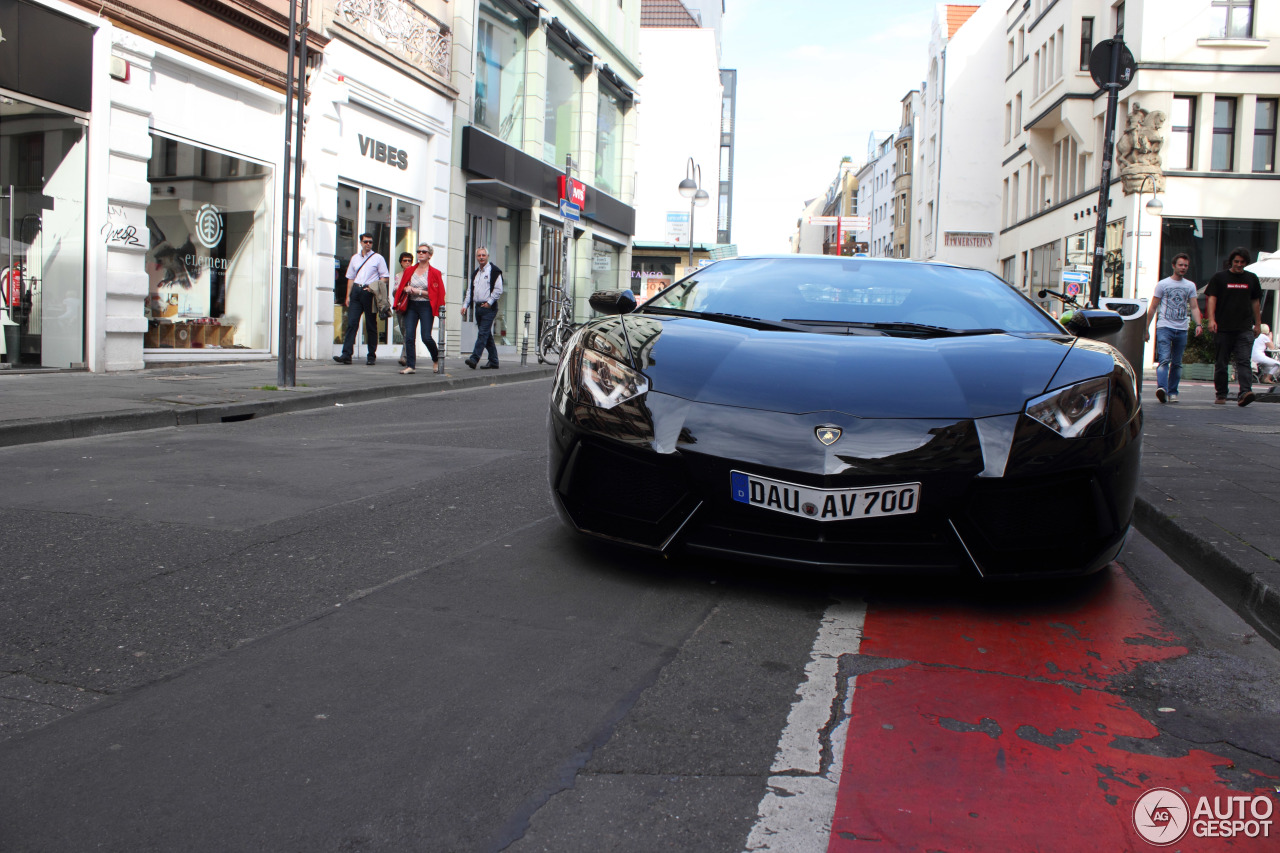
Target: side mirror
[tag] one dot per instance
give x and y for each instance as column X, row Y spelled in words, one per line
column 1093, row 323
column 613, row 301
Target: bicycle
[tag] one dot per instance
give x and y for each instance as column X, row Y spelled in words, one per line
column 558, row 329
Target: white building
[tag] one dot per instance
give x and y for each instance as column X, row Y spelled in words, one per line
column 685, row 130
column 1209, row 68
column 538, row 83
column 882, row 157
column 957, row 178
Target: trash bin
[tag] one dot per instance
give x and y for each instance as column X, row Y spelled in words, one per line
column 1129, row 340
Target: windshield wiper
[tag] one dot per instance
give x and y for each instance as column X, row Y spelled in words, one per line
column 732, row 319
column 921, row 327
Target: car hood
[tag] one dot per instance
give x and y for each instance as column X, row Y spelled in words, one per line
column 864, row 376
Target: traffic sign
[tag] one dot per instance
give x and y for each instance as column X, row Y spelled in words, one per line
column 569, row 210
column 1100, row 63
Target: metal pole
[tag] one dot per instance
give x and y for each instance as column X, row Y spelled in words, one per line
column 524, row 345
column 282, row 356
column 1104, row 188
column 565, row 294
column 691, row 233
column 291, row 316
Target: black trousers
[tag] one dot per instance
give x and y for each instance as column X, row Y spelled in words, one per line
column 362, row 302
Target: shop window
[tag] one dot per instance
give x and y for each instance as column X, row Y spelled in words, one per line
column 650, row 275
column 500, row 65
column 1181, row 148
column 1264, row 135
column 604, row 266
column 42, row 235
column 209, row 262
column 563, row 95
column 609, row 124
column 1208, row 242
column 1224, row 135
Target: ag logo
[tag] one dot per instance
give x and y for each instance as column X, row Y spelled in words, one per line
column 209, row 226
column 828, row 435
column 1161, row 816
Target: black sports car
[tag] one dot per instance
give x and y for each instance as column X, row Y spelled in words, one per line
column 853, row 414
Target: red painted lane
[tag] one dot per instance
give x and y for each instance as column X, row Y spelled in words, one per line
column 1000, row 735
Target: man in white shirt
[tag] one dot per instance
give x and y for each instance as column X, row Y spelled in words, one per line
column 483, row 292
column 366, row 269
column 1172, row 303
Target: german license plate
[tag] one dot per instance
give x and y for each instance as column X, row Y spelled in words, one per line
column 824, row 504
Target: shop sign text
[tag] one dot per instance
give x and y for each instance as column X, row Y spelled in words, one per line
column 382, row 152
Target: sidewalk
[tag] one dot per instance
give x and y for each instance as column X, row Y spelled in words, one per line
column 47, row 406
column 1209, row 496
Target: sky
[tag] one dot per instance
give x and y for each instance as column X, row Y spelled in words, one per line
column 815, row 79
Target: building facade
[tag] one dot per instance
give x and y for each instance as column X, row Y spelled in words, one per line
column 143, row 143
column 904, row 161
column 544, row 90
column 685, row 118
column 1196, row 128
column 956, row 182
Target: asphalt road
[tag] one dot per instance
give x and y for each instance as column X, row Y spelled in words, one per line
column 362, row 628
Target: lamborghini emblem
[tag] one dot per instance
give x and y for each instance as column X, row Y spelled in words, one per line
column 828, row 435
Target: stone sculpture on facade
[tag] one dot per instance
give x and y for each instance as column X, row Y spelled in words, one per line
column 1138, row 150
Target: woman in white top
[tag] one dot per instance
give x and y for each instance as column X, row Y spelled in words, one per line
column 1261, row 356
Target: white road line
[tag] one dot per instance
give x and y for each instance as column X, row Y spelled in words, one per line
column 795, row 815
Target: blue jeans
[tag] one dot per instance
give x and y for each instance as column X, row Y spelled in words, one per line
column 419, row 312
column 484, row 334
column 1170, row 344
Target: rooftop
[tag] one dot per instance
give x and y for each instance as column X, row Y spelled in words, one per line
column 666, row 13
column 957, row 15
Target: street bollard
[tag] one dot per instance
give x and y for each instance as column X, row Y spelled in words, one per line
column 440, row 361
column 524, row 347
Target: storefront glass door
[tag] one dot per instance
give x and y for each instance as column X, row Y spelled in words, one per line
column 42, row 239
column 393, row 223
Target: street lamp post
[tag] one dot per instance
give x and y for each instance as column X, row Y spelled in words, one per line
column 1154, row 207
column 691, row 188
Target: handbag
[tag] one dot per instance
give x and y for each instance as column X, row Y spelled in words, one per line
column 401, row 301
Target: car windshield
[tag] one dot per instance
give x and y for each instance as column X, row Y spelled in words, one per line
column 846, row 294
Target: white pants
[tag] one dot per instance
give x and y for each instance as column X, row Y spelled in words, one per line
column 1268, row 365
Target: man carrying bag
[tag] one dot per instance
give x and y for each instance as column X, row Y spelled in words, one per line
column 366, row 272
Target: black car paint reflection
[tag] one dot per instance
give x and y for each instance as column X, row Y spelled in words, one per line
column 654, row 471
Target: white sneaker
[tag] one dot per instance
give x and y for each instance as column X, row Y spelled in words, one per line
column 1173, row 398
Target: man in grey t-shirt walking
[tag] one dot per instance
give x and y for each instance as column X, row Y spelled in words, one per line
column 1173, row 301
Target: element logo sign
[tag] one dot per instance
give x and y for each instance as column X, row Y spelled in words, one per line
column 828, row 435
column 209, row 226
column 1161, row 816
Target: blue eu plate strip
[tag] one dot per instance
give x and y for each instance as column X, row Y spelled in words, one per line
column 741, row 491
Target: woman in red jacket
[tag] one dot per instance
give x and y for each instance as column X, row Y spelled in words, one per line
column 425, row 289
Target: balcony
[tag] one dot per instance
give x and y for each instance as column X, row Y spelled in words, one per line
column 402, row 28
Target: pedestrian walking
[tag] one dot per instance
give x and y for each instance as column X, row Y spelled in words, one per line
column 1235, row 316
column 483, row 292
column 367, row 269
column 399, row 302
column 426, row 299
column 1173, row 302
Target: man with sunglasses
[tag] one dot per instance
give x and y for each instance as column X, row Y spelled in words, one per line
column 367, row 268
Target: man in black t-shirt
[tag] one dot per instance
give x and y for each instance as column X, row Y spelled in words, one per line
column 1235, row 316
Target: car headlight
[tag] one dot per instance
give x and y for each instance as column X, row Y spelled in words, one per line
column 1072, row 411
column 605, row 382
